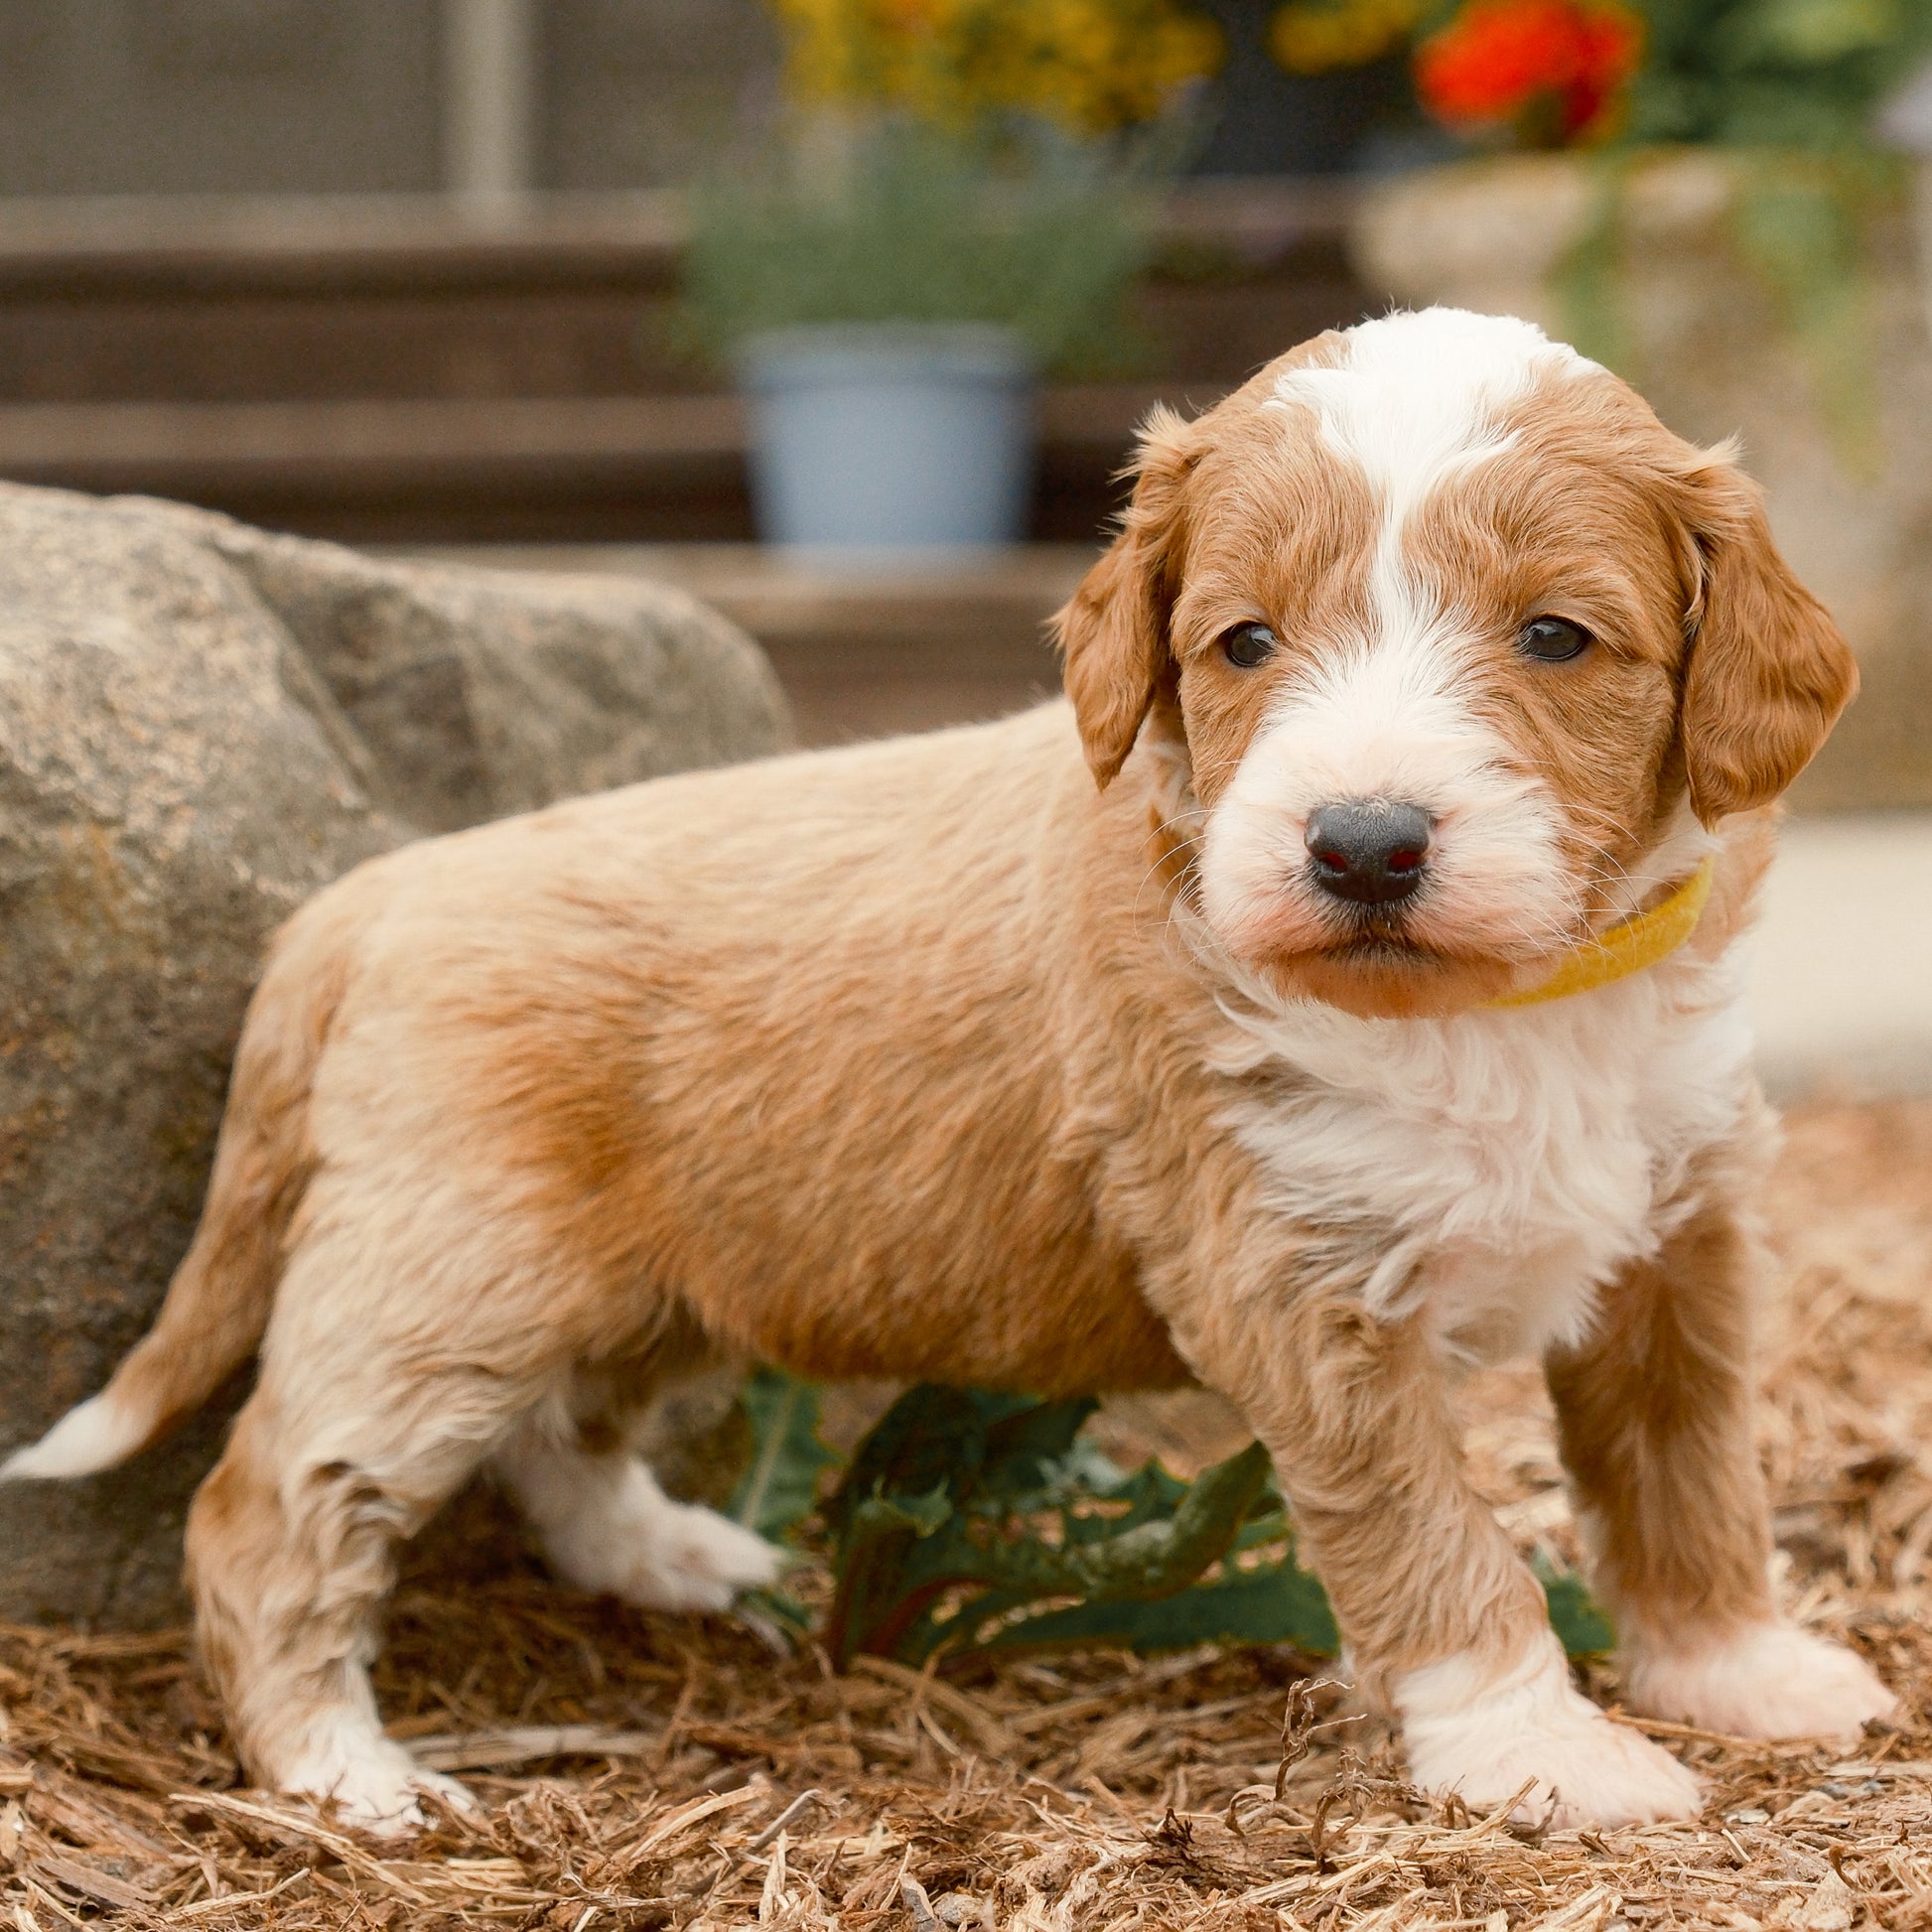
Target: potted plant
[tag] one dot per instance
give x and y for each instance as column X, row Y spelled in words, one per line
column 1693, row 191
column 887, row 308
column 964, row 207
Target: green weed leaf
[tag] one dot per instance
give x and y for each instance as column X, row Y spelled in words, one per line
column 973, row 1520
column 1581, row 1626
column 779, row 1486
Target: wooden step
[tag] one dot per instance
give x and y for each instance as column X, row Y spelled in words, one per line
column 376, row 369
column 428, row 467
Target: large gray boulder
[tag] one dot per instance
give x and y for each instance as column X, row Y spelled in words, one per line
column 199, row 724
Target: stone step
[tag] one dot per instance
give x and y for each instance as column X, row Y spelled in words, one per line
column 291, row 297
column 866, row 644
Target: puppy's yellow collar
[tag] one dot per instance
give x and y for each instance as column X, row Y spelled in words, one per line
column 1629, row 947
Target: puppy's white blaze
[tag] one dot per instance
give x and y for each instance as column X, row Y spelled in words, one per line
column 93, row 1435
column 1772, row 1680
column 1484, row 1735
column 1416, row 396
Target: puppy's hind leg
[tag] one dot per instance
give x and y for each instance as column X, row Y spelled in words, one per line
column 341, row 1450
column 606, row 1525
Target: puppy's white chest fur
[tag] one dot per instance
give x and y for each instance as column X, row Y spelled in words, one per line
column 1493, row 1169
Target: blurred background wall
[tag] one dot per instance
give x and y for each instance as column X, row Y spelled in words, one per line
column 346, row 96
column 123, row 97
column 355, row 96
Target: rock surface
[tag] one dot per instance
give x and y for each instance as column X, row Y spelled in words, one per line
column 199, row 724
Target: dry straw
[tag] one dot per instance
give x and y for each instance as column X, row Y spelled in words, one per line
column 653, row 1771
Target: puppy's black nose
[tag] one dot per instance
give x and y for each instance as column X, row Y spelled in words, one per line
column 1368, row 849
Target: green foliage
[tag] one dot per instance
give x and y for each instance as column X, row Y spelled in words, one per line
column 1799, row 221
column 897, row 223
column 1583, row 1628
column 779, row 1486
column 1792, row 74
column 1589, row 280
column 969, row 1520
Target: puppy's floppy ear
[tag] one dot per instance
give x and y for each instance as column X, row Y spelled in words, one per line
column 1768, row 671
column 1113, row 634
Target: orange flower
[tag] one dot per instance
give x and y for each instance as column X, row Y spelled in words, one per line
column 1503, row 61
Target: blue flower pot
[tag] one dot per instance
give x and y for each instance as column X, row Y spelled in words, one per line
column 894, row 436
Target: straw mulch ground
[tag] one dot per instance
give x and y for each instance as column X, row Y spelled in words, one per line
column 646, row 1771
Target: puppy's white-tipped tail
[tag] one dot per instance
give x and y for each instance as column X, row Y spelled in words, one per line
column 218, row 1303
column 93, row 1435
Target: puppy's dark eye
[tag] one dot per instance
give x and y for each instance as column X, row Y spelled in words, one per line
column 1249, row 645
column 1552, row 641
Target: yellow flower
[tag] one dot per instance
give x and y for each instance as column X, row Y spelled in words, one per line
column 1316, row 36
column 1092, row 65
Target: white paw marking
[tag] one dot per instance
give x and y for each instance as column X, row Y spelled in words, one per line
column 697, row 1560
column 606, row 1525
column 373, row 1782
column 1772, row 1680
column 1484, row 1735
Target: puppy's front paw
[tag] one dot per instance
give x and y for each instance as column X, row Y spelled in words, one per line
column 1484, row 1735
column 1771, row 1680
column 372, row 1782
column 697, row 1560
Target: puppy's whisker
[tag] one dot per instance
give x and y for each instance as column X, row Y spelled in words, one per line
column 1162, row 864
